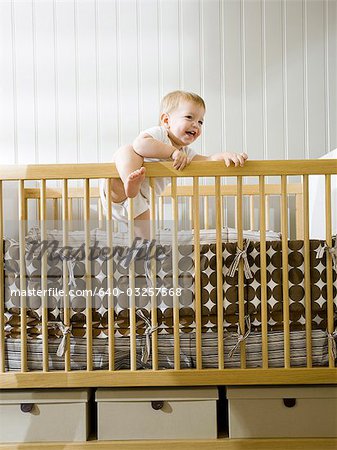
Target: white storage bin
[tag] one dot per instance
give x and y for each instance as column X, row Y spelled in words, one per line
column 43, row 415
column 266, row 412
column 157, row 413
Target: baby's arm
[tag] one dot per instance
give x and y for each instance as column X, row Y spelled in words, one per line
column 148, row 147
column 228, row 157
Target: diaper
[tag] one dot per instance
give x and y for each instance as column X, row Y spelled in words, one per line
column 120, row 210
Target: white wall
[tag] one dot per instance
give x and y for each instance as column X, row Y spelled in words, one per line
column 79, row 78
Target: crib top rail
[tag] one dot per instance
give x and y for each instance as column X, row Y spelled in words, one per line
column 165, row 169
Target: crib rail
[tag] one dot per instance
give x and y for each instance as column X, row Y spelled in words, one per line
column 195, row 192
column 164, row 169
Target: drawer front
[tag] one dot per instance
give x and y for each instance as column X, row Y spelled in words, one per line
column 303, row 417
column 45, row 422
column 145, row 420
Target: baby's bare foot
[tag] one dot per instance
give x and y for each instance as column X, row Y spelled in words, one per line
column 133, row 182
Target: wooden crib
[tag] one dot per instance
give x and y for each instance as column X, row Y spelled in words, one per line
column 204, row 205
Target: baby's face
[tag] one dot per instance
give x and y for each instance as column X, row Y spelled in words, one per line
column 184, row 124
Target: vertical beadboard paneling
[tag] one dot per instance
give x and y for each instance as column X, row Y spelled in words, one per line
column 274, row 80
column 331, row 65
column 45, row 82
column 233, row 74
column 190, row 46
column 316, row 79
column 7, row 88
column 79, row 78
column 169, row 31
column 222, row 93
column 87, row 81
column 149, row 64
column 295, row 86
column 129, row 104
column 24, row 67
column 108, row 79
column 191, row 57
column 66, row 81
column 253, row 79
column 211, row 39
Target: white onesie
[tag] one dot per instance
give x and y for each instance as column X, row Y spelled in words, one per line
column 142, row 200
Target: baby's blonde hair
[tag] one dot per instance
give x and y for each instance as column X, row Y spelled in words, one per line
column 171, row 101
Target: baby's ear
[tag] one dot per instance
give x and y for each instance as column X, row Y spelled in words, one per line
column 164, row 119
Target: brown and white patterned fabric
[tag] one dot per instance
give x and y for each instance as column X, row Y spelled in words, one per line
column 186, row 281
column 100, row 352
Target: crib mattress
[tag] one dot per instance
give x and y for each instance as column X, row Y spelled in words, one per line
column 186, row 281
column 100, row 350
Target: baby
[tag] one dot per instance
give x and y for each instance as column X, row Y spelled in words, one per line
column 181, row 119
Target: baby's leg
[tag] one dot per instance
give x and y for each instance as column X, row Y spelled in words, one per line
column 142, row 225
column 129, row 166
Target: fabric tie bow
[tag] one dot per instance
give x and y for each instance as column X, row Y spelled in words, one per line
column 331, row 250
column 65, row 331
column 241, row 337
column 146, row 350
column 240, row 253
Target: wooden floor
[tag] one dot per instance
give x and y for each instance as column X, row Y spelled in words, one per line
column 218, row 444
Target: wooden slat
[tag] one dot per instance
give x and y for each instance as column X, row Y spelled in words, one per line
column 88, row 273
column 263, row 272
column 219, row 276
column 161, row 212
column 299, row 216
column 100, row 213
column 26, row 212
column 329, row 281
column 231, row 190
column 251, row 212
column 66, row 305
column 307, row 282
column 70, row 214
column 56, row 193
column 23, row 281
column 197, row 281
column 38, row 208
column 110, row 286
column 44, row 296
column 241, row 278
column 183, row 191
column 154, row 318
column 223, row 209
column 284, row 231
column 183, row 208
column 206, row 223
column 268, row 212
column 2, row 283
column 55, row 208
column 132, row 297
column 190, row 211
column 175, row 285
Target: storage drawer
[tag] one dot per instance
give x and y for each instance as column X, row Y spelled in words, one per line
column 299, row 411
column 43, row 415
column 157, row 413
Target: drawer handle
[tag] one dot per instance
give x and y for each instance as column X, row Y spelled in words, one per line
column 289, row 402
column 26, row 407
column 157, row 404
